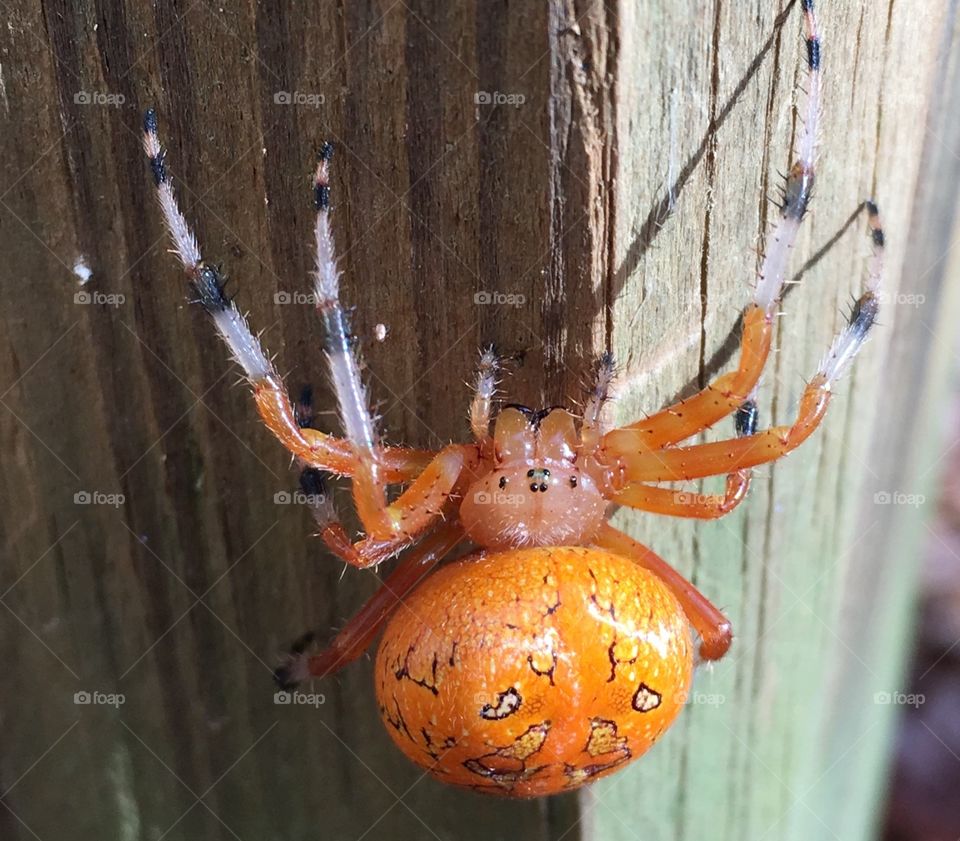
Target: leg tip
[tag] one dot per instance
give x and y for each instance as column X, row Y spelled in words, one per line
column 284, row 679
column 489, row 358
column 304, row 407
column 302, row 643
column 150, row 121
column 295, row 668
column 313, row 482
column 718, row 644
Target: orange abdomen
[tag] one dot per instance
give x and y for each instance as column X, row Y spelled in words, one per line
column 533, row 671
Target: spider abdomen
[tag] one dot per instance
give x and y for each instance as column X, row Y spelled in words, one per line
column 533, row 671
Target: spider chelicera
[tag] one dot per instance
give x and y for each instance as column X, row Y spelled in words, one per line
column 559, row 649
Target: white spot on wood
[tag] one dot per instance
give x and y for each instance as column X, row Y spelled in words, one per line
column 82, row 270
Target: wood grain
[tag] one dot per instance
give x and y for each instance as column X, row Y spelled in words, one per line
column 553, row 202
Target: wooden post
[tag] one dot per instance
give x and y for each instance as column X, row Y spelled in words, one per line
column 555, row 178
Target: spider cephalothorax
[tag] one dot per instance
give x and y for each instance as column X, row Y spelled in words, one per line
column 535, row 491
column 559, row 648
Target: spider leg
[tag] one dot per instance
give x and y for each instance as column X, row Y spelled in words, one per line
column 420, row 504
column 712, row 626
column 481, row 405
column 270, row 395
column 676, row 503
column 342, row 361
column 363, row 554
column 724, row 395
column 590, row 428
column 368, row 552
column 355, row 637
column 716, row 458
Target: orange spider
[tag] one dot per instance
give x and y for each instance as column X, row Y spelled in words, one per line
column 559, row 649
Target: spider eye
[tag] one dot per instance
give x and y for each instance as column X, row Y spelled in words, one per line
column 503, row 482
column 573, row 481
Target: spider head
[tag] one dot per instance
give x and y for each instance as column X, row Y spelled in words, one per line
column 534, row 494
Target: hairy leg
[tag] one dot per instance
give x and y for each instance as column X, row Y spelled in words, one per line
column 591, row 429
column 270, row 395
column 724, row 396
column 362, row 554
column 482, row 403
column 638, row 464
column 355, row 637
column 678, row 503
column 420, row 504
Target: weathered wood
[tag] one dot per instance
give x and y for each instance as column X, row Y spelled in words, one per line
column 180, row 596
column 788, row 742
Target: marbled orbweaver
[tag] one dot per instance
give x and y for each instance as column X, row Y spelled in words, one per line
column 558, row 649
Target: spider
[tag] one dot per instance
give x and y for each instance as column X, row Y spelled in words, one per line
column 558, row 649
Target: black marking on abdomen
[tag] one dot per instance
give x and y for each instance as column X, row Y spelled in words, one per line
column 507, row 766
column 548, row 673
column 645, row 699
column 404, row 673
column 399, row 723
column 612, row 657
column 508, row 702
column 604, row 740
